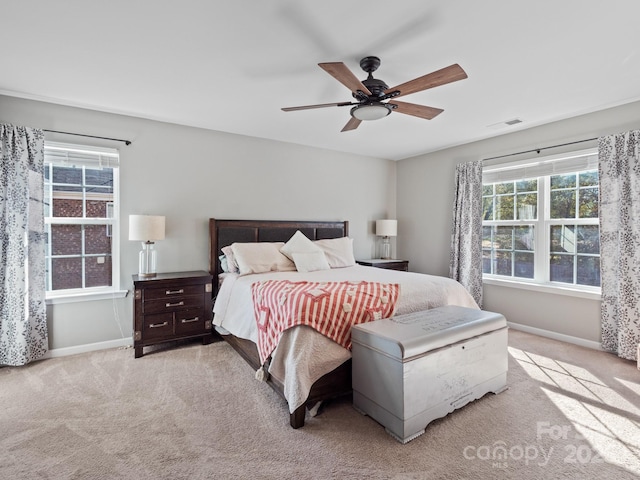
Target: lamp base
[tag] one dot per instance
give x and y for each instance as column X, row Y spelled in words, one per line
column 146, row 275
column 385, row 249
column 147, row 260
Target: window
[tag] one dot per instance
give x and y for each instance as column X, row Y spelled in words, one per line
column 81, row 219
column 540, row 221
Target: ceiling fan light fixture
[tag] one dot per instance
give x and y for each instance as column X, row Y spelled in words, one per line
column 370, row 111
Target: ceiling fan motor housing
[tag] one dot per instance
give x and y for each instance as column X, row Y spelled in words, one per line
column 376, row 87
column 371, row 106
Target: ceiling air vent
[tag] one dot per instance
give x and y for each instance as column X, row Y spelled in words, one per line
column 506, row 123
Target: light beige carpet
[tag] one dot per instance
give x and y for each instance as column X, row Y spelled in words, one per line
column 196, row 412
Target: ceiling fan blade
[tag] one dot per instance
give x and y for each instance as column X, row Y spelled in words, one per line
column 449, row 74
column 416, row 110
column 320, row 105
column 341, row 72
column 352, row 124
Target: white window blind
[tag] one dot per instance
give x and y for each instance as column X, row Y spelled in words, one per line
column 77, row 155
column 554, row 165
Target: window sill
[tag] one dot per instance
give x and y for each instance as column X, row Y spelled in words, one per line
column 537, row 287
column 86, row 296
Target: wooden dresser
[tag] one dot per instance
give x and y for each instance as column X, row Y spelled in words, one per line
column 171, row 306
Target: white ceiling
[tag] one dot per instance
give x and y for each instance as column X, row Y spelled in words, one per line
column 231, row 65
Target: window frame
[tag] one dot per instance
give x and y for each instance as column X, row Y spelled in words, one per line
column 543, row 169
column 61, row 154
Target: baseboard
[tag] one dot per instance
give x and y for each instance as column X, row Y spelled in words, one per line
column 128, row 342
column 90, row 347
column 556, row 336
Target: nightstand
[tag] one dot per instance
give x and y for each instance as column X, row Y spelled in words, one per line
column 171, row 306
column 402, row 265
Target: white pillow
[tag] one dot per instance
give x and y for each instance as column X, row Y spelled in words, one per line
column 261, row 257
column 298, row 243
column 310, row 261
column 339, row 251
column 232, row 265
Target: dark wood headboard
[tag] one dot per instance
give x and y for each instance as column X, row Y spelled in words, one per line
column 225, row 232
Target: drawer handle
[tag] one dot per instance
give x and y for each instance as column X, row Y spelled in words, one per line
column 177, row 304
column 157, row 325
column 174, row 292
column 190, row 320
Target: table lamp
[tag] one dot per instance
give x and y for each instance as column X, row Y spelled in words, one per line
column 146, row 229
column 386, row 229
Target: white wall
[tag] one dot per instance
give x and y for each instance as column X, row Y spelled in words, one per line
column 424, row 203
column 190, row 174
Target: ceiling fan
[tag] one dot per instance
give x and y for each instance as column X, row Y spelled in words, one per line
column 371, row 93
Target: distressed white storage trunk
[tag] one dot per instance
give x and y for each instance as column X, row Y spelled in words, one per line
column 411, row 369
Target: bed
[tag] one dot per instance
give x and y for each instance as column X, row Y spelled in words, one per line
column 306, row 367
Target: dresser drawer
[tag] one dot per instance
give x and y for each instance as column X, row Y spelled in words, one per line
column 172, row 304
column 190, row 321
column 179, row 291
column 158, row 326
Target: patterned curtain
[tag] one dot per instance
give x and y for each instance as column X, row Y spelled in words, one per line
column 465, row 264
column 23, row 323
column 619, row 171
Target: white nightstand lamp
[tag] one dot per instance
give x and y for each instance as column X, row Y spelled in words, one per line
column 386, row 229
column 146, row 229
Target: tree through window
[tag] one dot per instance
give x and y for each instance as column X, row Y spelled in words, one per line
column 543, row 227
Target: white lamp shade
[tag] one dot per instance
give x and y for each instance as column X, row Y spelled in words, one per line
column 146, row 228
column 386, row 228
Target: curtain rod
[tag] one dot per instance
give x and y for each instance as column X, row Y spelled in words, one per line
column 126, row 142
column 537, row 150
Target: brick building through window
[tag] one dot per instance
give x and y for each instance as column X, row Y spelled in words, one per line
column 79, row 206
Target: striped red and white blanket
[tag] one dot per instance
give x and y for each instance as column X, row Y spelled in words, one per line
column 331, row 308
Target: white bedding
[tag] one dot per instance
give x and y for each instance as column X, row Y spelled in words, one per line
column 303, row 355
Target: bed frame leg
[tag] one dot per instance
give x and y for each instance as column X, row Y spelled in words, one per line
column 296, row 419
